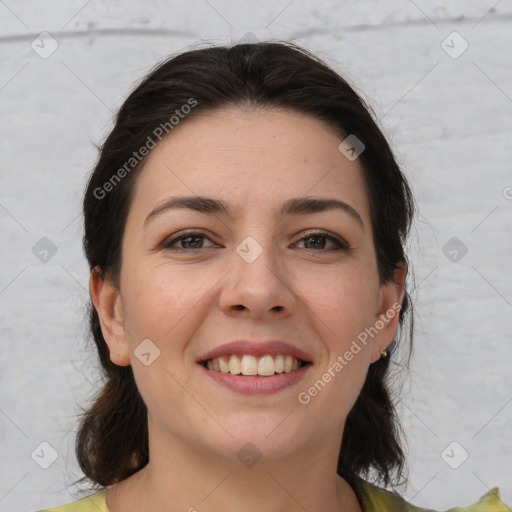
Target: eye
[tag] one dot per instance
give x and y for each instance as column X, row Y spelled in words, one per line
column 189, row 240
column 314, row 238
column 195, row 240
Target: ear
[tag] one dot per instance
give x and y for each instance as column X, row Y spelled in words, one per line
column 388, row 311
column 109, row 306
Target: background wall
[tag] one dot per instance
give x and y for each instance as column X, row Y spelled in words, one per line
column 439, row 79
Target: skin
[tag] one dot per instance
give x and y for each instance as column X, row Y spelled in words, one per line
column 187, row 303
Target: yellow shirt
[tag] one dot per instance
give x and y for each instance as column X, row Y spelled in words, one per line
column 372, row 498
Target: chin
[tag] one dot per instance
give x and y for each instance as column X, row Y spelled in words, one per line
column 262, row 436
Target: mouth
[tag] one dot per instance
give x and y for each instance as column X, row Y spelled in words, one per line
column 249, row 365
column 256, row 367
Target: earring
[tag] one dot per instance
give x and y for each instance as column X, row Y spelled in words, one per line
column 384, row 352
column 117, row 352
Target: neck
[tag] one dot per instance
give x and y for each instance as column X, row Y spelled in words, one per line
column 192, row 480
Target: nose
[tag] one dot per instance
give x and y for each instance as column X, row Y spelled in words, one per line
column 257, row 288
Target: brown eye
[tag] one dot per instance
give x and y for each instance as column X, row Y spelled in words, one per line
column 319, row 240
column 188, row 241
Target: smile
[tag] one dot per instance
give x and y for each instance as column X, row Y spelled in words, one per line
column 247, row 364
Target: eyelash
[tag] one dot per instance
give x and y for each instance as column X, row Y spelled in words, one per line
column 341, row 245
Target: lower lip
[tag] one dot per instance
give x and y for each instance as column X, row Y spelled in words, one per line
column 256, row 385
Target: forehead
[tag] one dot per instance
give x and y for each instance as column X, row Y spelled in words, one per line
column 249, row 157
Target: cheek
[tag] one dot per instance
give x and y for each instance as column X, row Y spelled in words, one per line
column 162, row 304
column 165, row 307
column 345, row 302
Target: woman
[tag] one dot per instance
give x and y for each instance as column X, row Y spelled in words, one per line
column 245, row 228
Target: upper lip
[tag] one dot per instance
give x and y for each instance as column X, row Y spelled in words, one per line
column 257, row 349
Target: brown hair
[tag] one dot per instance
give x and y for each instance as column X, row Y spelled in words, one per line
column 112, row 442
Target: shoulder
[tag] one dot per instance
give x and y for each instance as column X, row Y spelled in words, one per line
column 93, row 503
column 376, row 499
column 489, row 502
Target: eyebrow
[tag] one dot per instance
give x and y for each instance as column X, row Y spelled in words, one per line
column 294, row 206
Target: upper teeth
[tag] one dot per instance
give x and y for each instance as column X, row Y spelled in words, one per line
column 251, row 365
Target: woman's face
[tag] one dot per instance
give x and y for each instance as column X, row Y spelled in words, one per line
column 252, row 264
